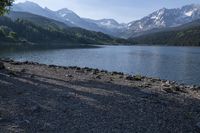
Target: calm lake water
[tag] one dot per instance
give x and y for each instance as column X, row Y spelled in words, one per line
column 181, row 64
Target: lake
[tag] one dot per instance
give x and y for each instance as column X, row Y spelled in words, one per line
column 181, row 64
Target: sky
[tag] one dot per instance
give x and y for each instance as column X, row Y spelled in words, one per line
column 121, row 10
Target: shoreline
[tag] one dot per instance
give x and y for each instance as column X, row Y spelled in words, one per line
column 48, row 98
column 126, row 75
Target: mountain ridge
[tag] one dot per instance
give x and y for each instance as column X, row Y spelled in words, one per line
column 162, row 18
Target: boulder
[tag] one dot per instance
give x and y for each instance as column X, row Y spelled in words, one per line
column 129, row 77
column 138, row 78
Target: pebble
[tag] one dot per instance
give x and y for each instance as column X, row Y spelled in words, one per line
column 165, row 85
column 27, row 121
column 168, row 90
column 98, row 77
column 190, row 87
column 137, row 78
column 167, row 82
column 12, row 73
column 95, row 71
column 129, row 77
column 23, row 70
column 15, row 63
column 117, row 73
column 32, row 76
column 68, row 75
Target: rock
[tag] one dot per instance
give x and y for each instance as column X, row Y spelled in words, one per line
column 87, row 69
column 2, row 65
column 78, row 68
column 173, row 82
column 138, row 78
column 52, row 66
column 197, row 88
column 176, row 88
column 6, row 60
column 117, row 73
column 27, row 121
column 12, row 73
column 121, row 76
column 26, row 62
column 98, row 77
column 30, row 63
column 104, row 71
column 35, row 108
column 191, row 87
column 95, row 71
column 23, row 70
column 147, row 85
column 166, row 84
column 153, row 80
column 68, row 75
column 15, row 63
column 129, row 77
column 168, row 90
column 32, row 76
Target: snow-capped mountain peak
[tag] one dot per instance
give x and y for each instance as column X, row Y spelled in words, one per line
column 65, row 12
column 166, row 18
column 107, row 23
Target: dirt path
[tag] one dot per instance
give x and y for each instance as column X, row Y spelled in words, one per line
column 40, row 98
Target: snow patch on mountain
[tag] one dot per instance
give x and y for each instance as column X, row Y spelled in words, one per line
column 165, row 18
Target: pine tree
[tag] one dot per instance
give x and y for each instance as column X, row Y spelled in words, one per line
column 4, row 6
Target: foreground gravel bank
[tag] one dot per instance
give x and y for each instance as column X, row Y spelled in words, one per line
column 41, row 98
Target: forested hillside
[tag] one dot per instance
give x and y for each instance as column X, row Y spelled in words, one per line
column 186, row 35
column 21, row 30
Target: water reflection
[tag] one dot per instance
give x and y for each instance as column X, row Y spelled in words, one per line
column 174, row 63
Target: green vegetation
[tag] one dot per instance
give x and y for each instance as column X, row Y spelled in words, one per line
column 187, row 35
column 26, row 31
column 4, row 6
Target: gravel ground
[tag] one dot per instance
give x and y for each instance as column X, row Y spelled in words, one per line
column 38, row 98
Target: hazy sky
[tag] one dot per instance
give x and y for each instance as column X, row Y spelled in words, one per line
column 121, row 10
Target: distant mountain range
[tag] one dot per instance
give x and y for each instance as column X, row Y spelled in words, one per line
column 162, row 18
column 64, row 15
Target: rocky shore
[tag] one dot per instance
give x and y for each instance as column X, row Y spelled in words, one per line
column 47, row 98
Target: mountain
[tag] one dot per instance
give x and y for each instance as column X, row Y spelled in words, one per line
column 163, row 18
column 63, row 15
column 185, row 35
column 107, row 26
column 37, row 29
column 158, row 20
column 69, row 16
column 34, row 8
